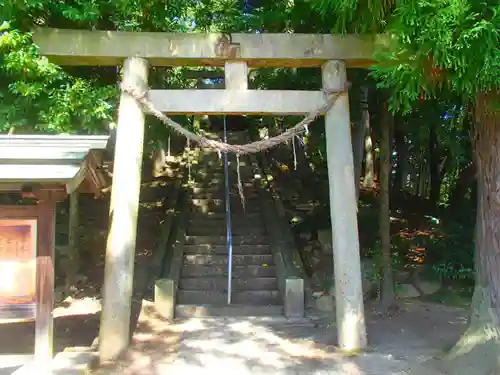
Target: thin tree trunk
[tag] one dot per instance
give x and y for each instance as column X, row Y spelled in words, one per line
column 434, row 165
column 479, row 348
column 358, row 138
column 369, row 157
column 421, row 177
column 159, row 157
column 400, row 145
column 387, row 283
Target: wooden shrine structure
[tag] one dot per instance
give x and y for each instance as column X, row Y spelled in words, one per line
column 44, row 169
column 136, row 51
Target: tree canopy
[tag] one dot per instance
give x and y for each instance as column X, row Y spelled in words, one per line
column 435, row 47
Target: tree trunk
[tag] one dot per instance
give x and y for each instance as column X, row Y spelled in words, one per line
column 464, row 182
column 387, row 283
column 434, row 166
column 73, row 240
column 159, row 157
column 358, row 138
column 369, row 157
column 401, row 170
column 478, row 350
column 421, row 177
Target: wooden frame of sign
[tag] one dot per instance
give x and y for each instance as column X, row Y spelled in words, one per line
column 41, row 218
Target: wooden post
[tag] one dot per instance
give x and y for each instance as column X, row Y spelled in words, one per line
column 44, row 322
column 347, row 265
column 114, row 333
column 73, row 236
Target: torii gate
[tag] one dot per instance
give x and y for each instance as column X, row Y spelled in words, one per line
column 236, row 52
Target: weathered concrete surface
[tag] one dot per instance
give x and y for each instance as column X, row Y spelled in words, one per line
column 237, row 102
column 165, row 297
column 85, row 47
column 294, row 298
column 124, row 207
column 343, row 213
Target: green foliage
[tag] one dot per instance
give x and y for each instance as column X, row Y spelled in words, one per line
column 433, row 46
column 38, row 95
column 356, row 16
column 376, row 255
column 441, row 45
column 450, row 247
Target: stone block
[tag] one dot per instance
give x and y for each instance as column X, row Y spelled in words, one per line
column 428, row 287
column 325, row 239
column 294, row 298
column 164, row 298
column 407, row 291
column 325, row 303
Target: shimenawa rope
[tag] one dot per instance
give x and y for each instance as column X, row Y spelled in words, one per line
column 249, row 148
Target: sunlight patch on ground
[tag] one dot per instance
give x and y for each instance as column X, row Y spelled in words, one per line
column 78, row 306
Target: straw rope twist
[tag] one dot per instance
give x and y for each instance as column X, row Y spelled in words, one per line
column 249, row 148
column 245, row 149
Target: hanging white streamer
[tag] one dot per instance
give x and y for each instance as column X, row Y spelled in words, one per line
column 189, row 159
column 294, row 154
column 240, row 185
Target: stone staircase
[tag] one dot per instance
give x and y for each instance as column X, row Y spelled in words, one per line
column 203, row 282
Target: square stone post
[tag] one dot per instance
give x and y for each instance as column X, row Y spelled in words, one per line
column 346, row 256
column 114, row 333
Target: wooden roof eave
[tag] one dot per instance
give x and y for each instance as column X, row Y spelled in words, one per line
column 92, row 173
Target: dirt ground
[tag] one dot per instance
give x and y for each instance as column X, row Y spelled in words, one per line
column 76, row 319
column 421, row 331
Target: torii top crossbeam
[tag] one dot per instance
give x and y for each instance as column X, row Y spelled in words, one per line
column 84, row 47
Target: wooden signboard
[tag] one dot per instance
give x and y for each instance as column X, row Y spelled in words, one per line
column 18, row 240
column 27, row 269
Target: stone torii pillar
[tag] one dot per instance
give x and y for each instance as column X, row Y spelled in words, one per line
column 346, row 255
column 114, row 332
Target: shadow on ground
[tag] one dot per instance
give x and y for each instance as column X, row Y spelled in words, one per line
column 276, row 346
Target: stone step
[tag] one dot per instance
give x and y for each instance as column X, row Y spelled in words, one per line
column 208, row 183
column 238, row 271
column 236, row 209
column 221, row 240
column 215, row 177
column 220, row 202
column 217, row 171
column 236, row 230
column 222, row 249
column 221, row 216
column 237, row 221
column 246, row 297
column 221, row 195
column 221, row 187
column 220, row 283
column 221, row 260
column 199, row 311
